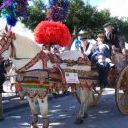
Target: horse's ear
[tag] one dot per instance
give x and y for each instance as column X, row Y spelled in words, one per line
column 6, row 28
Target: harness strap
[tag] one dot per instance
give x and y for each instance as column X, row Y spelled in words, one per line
column 41, row 55
column 6, row 41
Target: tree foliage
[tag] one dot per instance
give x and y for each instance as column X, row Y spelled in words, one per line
column 37, row 13
column 80, row 17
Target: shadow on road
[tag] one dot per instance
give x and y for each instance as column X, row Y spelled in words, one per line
column 62, row 113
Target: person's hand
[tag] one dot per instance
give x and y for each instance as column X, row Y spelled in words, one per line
column 124, row 51
column 114, row 49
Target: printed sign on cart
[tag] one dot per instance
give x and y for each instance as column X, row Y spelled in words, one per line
column 71, row 77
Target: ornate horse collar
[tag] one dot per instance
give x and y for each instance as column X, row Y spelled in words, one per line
column 6, row 41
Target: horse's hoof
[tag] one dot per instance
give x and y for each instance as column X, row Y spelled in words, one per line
column 85, row 115
column 45, row 123
column 34, row 121
column 79, row 121
column 46, row 126
column 1, row 119
column 93, row 104
column 22, row 98
column 34, row 126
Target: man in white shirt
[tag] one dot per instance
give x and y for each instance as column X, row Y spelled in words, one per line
column 87, row 46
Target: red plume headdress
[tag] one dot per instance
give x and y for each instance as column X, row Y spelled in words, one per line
column 51, row 32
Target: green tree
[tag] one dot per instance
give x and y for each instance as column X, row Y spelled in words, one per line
column 85, row 17
column 120, row 25
column 36, row 13
column 79, row 15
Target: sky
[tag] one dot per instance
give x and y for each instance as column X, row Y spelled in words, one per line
column 94, row 2
column 117, row 7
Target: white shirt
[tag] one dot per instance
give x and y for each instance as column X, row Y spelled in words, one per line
column 92, row 47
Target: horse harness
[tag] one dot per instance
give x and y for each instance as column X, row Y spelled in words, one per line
column 5, row 42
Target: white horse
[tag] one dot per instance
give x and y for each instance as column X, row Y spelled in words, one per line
column 26, row 55
column 25, row 50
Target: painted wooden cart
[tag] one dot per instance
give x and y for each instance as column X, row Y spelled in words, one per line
column 53, row 77
column 38, row 82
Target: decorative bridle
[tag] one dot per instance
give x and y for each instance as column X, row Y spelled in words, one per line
column 6, row 41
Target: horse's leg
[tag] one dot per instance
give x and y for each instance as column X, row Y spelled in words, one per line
column 34, row 109
column 20, row 94
column 88, row 100
column 82, row 94
column 43, row 105
column 96, row 95
column 91, row 98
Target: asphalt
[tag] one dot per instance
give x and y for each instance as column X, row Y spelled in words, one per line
column 12, row 102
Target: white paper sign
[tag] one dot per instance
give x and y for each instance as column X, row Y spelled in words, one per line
column 71, row 77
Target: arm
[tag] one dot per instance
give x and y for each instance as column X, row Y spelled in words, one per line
column 89, row 49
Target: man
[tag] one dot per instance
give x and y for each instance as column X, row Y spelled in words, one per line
column 111, row 38
column 102, row 47
column 87, row 46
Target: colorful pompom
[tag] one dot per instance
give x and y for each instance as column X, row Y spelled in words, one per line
column 58, row 10
column 50, row 32
column 11, row 20
column 13, row 9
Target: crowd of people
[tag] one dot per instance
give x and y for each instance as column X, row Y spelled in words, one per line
column 100, row 51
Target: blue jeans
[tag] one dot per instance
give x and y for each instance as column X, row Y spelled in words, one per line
column 103, row 69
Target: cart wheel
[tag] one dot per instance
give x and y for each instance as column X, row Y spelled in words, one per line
column 121, row 92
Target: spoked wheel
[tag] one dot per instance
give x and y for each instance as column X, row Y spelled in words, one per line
column 121, row 92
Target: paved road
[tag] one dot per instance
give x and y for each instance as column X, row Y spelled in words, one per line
column 62, row 112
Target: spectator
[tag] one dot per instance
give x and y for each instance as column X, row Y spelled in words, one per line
column 102, row 49
column 76, row 44
column 111, row 37
column 87, row 46
column 102, row 59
